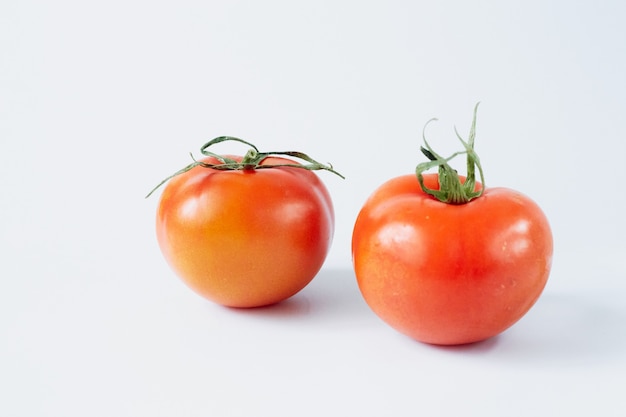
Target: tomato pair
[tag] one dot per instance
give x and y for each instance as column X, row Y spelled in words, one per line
column 436, row 256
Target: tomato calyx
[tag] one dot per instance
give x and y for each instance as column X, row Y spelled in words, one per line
column 252, row 160
column 451, row 189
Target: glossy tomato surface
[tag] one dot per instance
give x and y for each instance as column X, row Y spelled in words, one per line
column 245, row 238
column 450, row 274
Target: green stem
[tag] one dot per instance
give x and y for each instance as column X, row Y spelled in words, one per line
column 451, row 189
column 252, row 160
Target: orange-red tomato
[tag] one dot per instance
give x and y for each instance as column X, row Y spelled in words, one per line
column 245, row 238
column 450, row 274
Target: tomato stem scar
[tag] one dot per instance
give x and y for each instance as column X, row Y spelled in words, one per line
column 451, row 189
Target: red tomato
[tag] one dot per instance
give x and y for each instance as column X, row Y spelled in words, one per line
column 450, row 274
column 246, row 237
column 446, row 261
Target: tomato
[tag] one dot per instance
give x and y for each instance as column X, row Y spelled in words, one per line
column 245, row 237
column 450, row 273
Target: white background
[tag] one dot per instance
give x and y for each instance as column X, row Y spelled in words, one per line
column 101, row 100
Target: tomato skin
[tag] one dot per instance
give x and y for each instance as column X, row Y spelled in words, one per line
column 245, row 238
column 450, row 274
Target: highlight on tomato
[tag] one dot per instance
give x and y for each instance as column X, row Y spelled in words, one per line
column 246, row 231
column 446, row 260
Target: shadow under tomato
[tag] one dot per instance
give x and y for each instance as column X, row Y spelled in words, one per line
column 332, row 295
column 295, row 306
column 478, row 348
column 577, row 329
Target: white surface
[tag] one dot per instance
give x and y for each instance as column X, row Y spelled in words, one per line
column 145, row 346
column 99, row 101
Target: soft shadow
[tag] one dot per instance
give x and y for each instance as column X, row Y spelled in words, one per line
column 332, row 295
column 567, row 329
column 335, row 293
column 296, row 306
column 475, row 348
